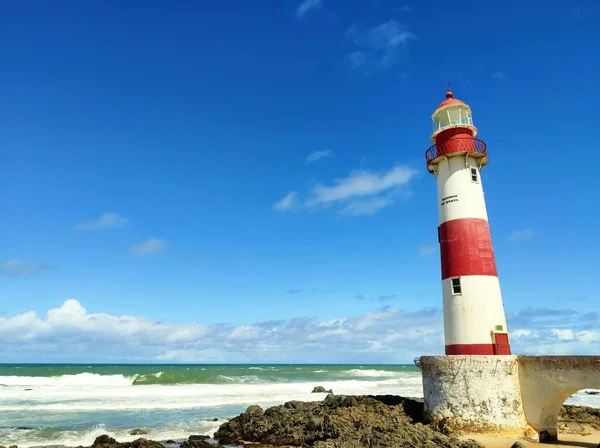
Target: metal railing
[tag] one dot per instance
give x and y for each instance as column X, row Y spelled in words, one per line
column 456, row 145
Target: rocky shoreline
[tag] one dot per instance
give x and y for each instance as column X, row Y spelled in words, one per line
column 338, row 421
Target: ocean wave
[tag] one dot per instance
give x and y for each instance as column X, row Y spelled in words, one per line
column 80, row 379
column 371, row 373
column 170, row 376
column 65, row 400
column 60, row 437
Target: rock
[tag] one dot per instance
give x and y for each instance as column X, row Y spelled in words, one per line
column 215, row 419
column 321, row 390
column 254, row 409
column 517, row 445
column 445, row 426
column 170, row 442
column 314, row 424
column 139, row 432
column 196, row 443
column 142, row 443
column 104, row 440
column 577, row 417
column 589, row 392
column 28, row 389
column 339, row 421
column 13, row 446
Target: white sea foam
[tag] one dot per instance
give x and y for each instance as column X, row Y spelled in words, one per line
column 372, row 373
column 81, row 379
column 48, row 398
column 26, row 439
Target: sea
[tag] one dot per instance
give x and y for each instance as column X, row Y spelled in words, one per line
column 70, row 405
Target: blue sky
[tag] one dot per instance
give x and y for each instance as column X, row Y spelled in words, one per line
column 220, row 165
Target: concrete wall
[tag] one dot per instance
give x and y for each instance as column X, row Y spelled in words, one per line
column 520, row 395
column 477, row 393
column 547, row 381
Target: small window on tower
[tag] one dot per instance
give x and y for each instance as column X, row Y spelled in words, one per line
column 456, row 287
column 474, row 174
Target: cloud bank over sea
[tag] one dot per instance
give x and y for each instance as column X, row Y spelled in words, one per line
column 70, row 333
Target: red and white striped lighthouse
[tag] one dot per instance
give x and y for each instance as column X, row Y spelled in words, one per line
column 474, row 320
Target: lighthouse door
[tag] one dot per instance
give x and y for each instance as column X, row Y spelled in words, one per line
column 501, row 346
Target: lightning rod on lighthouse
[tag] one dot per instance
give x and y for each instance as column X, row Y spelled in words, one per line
column 474, row 320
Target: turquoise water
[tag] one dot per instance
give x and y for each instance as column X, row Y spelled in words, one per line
column 72, row 404
column 199, row 374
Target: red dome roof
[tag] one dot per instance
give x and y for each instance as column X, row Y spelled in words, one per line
column 449, row 100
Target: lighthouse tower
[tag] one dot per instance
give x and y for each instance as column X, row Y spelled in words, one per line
column 474, row 321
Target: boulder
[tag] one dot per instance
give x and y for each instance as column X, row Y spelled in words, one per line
column 105, row 441
column 197, row 441
column 339, row 421
column 321, row 390
column 578, row 416
column 139, row 432
column 517, row 445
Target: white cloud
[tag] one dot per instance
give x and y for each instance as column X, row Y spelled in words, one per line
column 427, row 249
column 360, row 184
column 288, row 202
column 306, row 6
column 107, row 220
column 368, row 206
column 149, row 247
column 15, row 267
column 523, row 234
column 362, row 192
column 387, row 335
column 499, row 76
column 318, row 155
column 563, row 335
column 382, row 44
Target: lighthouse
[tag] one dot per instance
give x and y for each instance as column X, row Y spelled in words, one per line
column 474, row 320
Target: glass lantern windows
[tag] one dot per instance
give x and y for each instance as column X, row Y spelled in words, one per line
column 452, row 116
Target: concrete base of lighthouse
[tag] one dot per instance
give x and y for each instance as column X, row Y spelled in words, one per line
column 511, row 395
column 474, row 393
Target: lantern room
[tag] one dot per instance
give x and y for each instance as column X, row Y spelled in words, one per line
column 450, row 114
column 454, row 134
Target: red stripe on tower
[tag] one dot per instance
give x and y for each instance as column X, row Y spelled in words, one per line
column 466, row 248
